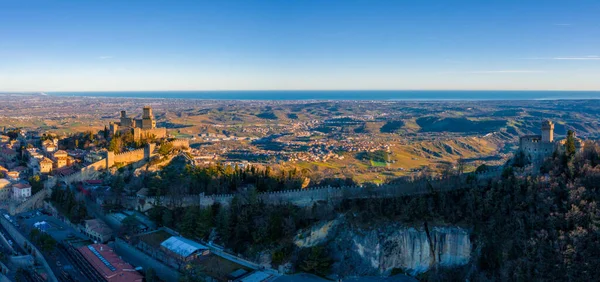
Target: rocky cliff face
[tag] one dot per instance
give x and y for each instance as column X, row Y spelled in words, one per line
column 378, row 250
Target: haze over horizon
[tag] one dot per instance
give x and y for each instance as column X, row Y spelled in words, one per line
column 306, row 45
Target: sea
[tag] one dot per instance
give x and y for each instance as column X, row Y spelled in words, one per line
column 424, row 95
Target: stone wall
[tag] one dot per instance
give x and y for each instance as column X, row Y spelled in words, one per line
column 35, row 201
column 22, row 261
column 307, row 197
column 180, row 143
column 92, row 171
column 158, row 133
column 129, row 157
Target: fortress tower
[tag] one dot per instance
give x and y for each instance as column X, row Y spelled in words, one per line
column 126, row 122
column 148, row 121
column 142, row 128
column 547, row 131
column 147, row 112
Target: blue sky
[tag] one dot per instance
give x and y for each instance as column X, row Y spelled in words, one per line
column 283, row 44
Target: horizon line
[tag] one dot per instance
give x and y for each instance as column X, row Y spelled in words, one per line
column 303, row 90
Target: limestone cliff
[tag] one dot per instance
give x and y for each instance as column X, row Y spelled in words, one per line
column 376, row 251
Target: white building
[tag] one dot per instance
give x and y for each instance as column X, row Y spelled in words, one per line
column 21, row 191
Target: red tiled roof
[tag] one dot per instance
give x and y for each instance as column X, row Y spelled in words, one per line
column 21, row 186
column 7, row 151
column 108, row 264
column 20, row 168
column 98, row 226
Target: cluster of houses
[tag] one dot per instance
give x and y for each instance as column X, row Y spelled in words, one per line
column 12, row 172
column 29, row 154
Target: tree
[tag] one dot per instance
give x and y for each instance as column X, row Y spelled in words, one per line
column 115, row 145
column 482, row 168
column 317, row 261
column 165, row 149
column 570, row 143
column 36, row 184
column 151, row 275
column 129, row 226
column 167, row 218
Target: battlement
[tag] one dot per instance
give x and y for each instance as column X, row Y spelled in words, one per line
column 306, row 197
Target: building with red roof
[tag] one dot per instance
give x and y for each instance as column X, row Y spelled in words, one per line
column 108, row 264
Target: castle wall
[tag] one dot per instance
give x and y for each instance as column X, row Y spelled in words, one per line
column 307, row 197
column 159, row 133
column 536, row 149
column 180, row 143
column 129, row 157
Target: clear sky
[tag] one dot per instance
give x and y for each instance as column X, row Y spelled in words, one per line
column 104, row 45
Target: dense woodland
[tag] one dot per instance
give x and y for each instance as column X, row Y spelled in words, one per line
column 180, row 179
column 64, row 200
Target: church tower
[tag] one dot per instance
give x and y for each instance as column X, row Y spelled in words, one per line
column 547, row 131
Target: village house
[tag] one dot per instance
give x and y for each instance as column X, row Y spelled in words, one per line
column 21, row 191
column 13, row 175
column 3, row 171
column 94, row 156
column 46, row 165
column 97, row 230
column 8, row 154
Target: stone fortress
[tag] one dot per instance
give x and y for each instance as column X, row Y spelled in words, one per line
column 539, row 147
column 142, row 128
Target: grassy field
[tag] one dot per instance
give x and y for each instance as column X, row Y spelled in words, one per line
column 218, row 267
column 378, row 164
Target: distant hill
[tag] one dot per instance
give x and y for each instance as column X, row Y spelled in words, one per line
column 435, row 124
column 391, row 126
column 267, row 115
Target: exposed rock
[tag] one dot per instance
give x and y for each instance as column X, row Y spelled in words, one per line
column 376, row 251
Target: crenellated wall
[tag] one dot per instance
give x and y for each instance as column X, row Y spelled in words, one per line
column 129, row 157
column 180, row 143
column 158, row 133
column 309, row 196
column 93, row 170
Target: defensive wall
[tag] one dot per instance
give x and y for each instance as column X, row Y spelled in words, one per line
column 35, row 201
column 92, row 171
column 139, row 133
column 309, row 196
column 180, row 143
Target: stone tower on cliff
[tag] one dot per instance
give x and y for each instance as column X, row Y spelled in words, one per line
column 547, row 131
